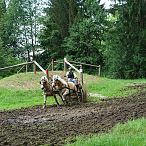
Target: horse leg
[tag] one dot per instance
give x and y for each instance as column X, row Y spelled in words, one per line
column 63, row 97
column 56, row 99
column 63, row 100
column 45, row 99
column 66, row 96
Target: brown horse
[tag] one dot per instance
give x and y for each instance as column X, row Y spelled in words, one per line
column 65, row 88
column 48, row 90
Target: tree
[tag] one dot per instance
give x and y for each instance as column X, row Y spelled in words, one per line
column 2, row 13
column 86, row 36
column 5, row 56
column 60, row 16
column 21, row 22
column 126, row 55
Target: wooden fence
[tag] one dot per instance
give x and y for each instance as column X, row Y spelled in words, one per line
column 80, row 64
column 26, row 66
column 66, row 62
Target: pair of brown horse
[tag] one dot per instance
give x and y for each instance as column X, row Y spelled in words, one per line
column 58, row 86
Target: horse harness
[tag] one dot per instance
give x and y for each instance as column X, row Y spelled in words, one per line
column 47, row 88
column 66, row 87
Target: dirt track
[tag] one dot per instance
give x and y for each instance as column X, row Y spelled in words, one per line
column 36, row 127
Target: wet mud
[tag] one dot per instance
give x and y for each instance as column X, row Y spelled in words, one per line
column 33, row 126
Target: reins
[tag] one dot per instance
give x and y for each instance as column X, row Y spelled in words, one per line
column 48, row 87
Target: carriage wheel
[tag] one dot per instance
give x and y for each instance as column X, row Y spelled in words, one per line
column 81, row 95
column 67, row 100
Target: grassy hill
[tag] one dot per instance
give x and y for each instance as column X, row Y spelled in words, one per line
column 23, row 90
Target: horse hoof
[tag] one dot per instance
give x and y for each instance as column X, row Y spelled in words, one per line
column 44, row 107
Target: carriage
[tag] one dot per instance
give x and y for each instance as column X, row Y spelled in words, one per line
column 72, row 93
column 68, row 91
column 78, row 96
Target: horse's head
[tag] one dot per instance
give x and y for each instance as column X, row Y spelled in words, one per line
column 43, row 82
column 58, row 81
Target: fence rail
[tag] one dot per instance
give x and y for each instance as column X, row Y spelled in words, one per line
column 16, row 65
column 77, row 64
column 44, row 71
column 23, row 64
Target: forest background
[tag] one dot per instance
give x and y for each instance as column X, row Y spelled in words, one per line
column 80, row 30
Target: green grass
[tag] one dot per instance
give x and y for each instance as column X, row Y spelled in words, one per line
column 16, row 99
column 23, row 90
column 111, row 87
column 132, row 133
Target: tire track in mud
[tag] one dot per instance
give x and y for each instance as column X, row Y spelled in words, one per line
column 33, row 126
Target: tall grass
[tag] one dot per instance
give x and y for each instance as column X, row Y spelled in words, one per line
column 15, row 99
column 132, row 133
column 111, row 87
column 23, row 90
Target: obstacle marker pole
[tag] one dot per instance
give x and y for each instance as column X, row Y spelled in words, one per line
column 52, row 64
column 81, row 74
column 47, row 73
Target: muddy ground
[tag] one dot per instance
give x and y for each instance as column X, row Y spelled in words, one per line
column 33, row 126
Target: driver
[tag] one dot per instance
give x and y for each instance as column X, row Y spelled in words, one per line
column 71, row 76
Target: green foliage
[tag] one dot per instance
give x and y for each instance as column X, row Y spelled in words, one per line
column 7, row 60
column 78, row 30
column 86, row 35
column 50, row 40
column 2, row 28
column 78, row 46
column 60, row 17
column 5, row 54
column 125, row 53
column 20, row 27
column 129, row 134
column 21, row 23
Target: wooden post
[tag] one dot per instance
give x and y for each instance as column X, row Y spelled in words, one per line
column 81, row 74
column 64, row 67
column 71, row 65
column 26, row 68
column 39, row 67
column 99, row 69
column 34, row 68
column 52, row 64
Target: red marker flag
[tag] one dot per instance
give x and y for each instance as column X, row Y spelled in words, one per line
column 47, row 72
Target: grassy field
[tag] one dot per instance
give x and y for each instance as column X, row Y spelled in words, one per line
column 23, row 90
column 111, row 87
column 133, row 133
column 20, row 91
